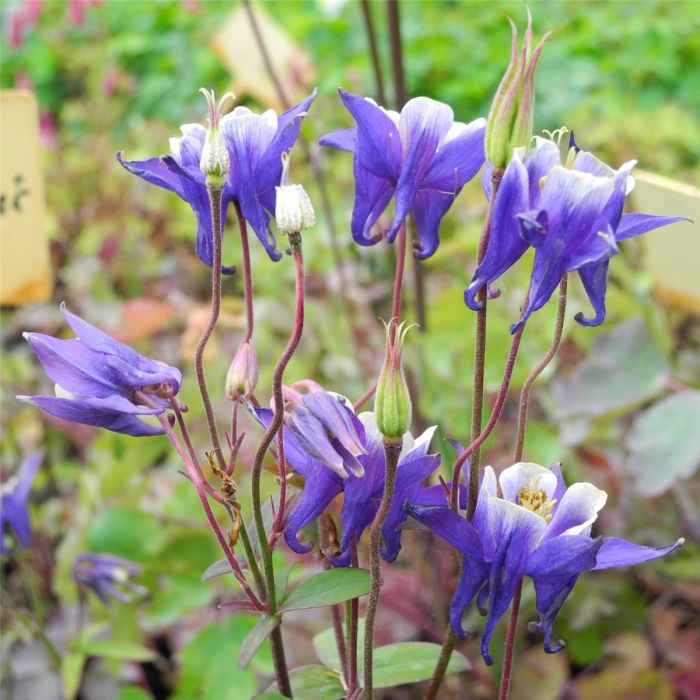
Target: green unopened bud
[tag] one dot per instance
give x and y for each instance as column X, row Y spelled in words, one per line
column 293, row 209
column 510, row 119
column 392, row 402
column 242, row 375
column 215, row 162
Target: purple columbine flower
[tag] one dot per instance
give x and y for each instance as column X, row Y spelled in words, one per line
column 421, row 156
column 537, row 528
column 571, row 214
column 361, row 494
column 108, row 577
column 98, row 379
column 255, row 143
column 14, row 494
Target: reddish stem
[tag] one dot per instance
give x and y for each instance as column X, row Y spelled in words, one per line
column 354, row 626
column 398, row 274
column 495, row 415
column 510, row 644
column 365, row 397
column 278, row 525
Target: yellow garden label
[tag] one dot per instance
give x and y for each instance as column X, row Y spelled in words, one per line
column 25, row 270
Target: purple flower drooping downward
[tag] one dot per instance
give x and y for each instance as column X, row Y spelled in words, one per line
column 422, row 157
column 108, row 577
column 362, row 492
column 570, row 214
column 537, row 528
column 98, row 380
column 254, row 143
column 14, row 494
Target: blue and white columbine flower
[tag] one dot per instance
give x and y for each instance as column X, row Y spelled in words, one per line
column 537, row 527
column 362, row 490
column 255, row 144
column 97, row 379
column 422, row 157
column 570, row 214
column 108, row 576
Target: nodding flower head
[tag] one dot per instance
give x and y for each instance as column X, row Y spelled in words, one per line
column 215, row 162
column 293, row 209
column 108, row 577
column 324, row 426
column 510, row 119
column 392, row 403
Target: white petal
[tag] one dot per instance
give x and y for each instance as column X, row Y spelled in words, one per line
column 523, row 474
column 577, row 511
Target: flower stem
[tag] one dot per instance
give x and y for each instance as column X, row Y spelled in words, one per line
column 539, row 368
column 374, row 52
column 247, row 276
column 352, row 628
column 215, row 206
column 392, row 450
column 398, row 274
column 481, row 438
column 504, row 688
column 477, row 409
column 283, row 683
column 506, row 672
column 196, row 478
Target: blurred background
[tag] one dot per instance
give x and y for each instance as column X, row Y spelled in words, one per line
column 620, row 407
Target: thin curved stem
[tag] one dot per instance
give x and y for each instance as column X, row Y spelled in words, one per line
column 539, row 368
column 278, row 525
column 399, row 274
column 353, row 628
column 504, row 688
column 392, row 450
column 196, row 479
column 283, row 683
column 373, row 51
column 215, row 206
column 247, row 274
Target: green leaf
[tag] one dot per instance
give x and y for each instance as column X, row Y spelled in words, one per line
column 624, row 369
column 71, row 673
column 221, row 567
column 271, row 696
column 132, row 534
column 411, row 662
column 664, row 443
column 118, row 649
column 313, row 683
column 328, row 588
column 394, row 664
column 254, row 640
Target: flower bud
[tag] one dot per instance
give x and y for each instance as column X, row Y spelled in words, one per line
column 293, row 210
column 392, row 402
column 510, row 119
column 242, row 375
column 215, row 162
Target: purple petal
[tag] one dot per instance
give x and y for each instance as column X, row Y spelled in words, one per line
column 378, row 145
column 551, row 595
column 517, row 531
column 89, row 413
column 336, row 418
column 475, row 574
column 372, row 196
column 505, row 246
column 422, row 126
column 451, row 527
column 636, row 224
column 595, row 281
column 428, row 208
column 27, row 472
column 618, row 552
column 563, row 556
column 155, row 171
column 343, row 140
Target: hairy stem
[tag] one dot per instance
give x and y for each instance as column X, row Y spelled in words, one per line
column 276, row 639
column 215, row 206
column 504, row 688
column 354, row 614
column 392, row 450
column 247, row 276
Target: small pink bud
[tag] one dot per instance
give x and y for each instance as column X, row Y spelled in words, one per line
column 242, row 375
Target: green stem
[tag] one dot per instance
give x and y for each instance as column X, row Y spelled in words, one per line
column 392, row 450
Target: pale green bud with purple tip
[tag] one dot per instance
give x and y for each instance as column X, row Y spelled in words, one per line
column 392, row 401
column 510, row 119
column 215, row 161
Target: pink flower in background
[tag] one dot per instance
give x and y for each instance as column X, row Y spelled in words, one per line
column 76, row 10
column 22, row 19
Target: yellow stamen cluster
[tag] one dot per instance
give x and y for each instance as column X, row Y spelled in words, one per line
column 535, row 499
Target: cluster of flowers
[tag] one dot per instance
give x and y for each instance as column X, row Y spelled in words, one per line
column 568, row 207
